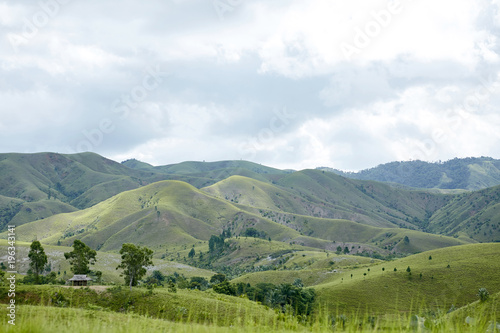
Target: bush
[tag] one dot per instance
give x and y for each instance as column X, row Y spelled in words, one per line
column 483, row 294
column 225, row 287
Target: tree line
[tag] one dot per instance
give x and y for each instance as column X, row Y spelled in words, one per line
column 135, row 259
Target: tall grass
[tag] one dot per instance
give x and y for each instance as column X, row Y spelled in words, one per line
column 34, row 319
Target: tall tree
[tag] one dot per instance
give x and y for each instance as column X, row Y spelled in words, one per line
column 80, row 257
column 38, row 259
column 134, row 261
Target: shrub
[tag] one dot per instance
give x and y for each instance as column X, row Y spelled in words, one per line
column 483, row 294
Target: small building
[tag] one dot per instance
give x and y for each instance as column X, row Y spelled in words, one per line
column 79, row 280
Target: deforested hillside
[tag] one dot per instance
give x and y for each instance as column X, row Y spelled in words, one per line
column 35, row 186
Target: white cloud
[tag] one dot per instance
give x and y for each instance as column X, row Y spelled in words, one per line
column 399, row 97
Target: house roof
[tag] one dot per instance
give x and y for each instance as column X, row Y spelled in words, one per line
column 80, row 278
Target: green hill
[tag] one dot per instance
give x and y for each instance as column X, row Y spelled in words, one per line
column 192, row 167
column 326, row 195
column 167, row 212
column 451, row 277
column 172, row 216
column 459, row 173
column 35, row 186
column 475, row 214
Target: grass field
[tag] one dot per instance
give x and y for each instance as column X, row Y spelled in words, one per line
column 451, row 278
column 34, row 319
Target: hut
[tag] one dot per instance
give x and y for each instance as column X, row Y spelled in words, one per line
column 79, row 280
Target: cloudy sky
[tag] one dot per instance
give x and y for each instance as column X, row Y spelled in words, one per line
column 291, row 84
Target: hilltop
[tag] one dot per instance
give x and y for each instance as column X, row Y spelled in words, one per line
column 36, row 186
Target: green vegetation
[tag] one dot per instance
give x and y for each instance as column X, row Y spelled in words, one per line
column 80, row 257
column 458, row 173
column 238, row 244
column 38, row 260
column 134, row 262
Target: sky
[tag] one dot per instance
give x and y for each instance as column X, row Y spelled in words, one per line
column 291, row 84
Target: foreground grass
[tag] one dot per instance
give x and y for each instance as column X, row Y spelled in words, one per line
column 56, row 309
column 38, row 319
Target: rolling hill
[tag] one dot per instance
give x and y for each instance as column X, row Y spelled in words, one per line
column 173, row 215
column 35, row 186
column 58, row 198
column 451, row 277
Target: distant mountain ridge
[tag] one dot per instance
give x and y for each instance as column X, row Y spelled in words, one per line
column 472, row 173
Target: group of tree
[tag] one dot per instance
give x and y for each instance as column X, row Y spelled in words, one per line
column 216, row 244
column 252, row 232
column 135, row 259
column 288, row 298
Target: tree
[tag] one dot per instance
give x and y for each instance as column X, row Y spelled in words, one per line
column 225, row 287
column 38, row 260
column 134, row 261
column 218, row 278
column 191, row 253
column 80, row 257
column 156, row 278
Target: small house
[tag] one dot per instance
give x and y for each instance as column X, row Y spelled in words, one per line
column 79, row 280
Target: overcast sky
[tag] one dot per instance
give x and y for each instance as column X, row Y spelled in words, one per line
column 290, row 84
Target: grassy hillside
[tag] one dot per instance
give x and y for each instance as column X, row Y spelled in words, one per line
column 171, row 216
column 371, row 203
column 468, row 215
column 165, row 213
column 463, row 173
column 188, row 306
column 452, row 276
column 475, row 214
column 34, row 186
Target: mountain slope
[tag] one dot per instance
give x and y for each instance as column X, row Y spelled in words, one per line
column 465, row 173
column 60, row 183
column 166, row 212
column 173, row 214
column 451, row 277
column 326, row 195
column 475, row 214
